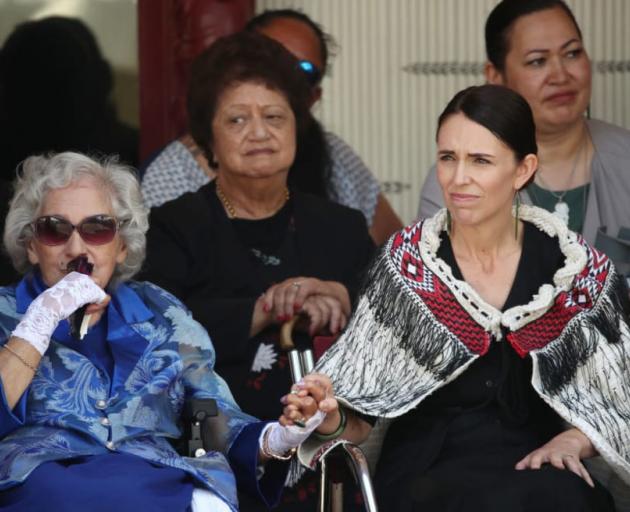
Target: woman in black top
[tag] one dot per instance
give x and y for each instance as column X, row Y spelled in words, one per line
column 250, row 250
column 495, row 338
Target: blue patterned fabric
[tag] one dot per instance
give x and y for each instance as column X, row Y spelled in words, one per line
column 73, row 408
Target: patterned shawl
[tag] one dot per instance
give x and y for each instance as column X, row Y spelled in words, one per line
column 416, row 328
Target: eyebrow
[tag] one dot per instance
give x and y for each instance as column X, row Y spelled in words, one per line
column 480, row 155
column 473, row 155
column 545, row 50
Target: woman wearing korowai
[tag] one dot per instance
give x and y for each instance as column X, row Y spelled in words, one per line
column 495, row 338
column 85, row 421
column 248, row 251
column 536, row 49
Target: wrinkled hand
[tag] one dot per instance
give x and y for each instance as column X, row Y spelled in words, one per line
column 283, row 300
column 55, row 304
column 323, row 312
column 564, row 451
column 312, row 394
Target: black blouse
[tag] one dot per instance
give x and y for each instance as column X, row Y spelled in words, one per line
column 495, row 389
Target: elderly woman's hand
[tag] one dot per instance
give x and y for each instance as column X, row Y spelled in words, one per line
column 313, row 393
column 323, row 311
column 564, row 451
column 55, row 304
column 283, row 300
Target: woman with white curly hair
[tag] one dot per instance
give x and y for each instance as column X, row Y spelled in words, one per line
column 94, row 368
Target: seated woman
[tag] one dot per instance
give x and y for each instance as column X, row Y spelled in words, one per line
column 85, row 423
column 536, row 49
column 248, row 251
column 182, row 167
column 495, row 337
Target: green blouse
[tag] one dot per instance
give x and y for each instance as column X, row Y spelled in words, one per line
column 575, row 199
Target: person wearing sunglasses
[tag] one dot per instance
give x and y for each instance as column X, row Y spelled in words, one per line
column 85, row 419
column 351, row 181
column 250, row 250
column 182, row 167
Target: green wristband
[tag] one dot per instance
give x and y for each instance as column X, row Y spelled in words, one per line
column 343, row 420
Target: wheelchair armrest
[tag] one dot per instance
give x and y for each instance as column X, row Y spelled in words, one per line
column 196, row 415
column 198, row 409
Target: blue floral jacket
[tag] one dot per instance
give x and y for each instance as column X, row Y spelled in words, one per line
column 161, row 357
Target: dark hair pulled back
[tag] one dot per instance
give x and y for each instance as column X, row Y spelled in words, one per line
column 499, row 109
column 502, row 19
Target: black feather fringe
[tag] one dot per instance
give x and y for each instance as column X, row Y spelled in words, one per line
column 560, row 360
column 394, row 350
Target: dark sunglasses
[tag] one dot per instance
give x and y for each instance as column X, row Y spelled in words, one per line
column 313, row 75
column 94, row 230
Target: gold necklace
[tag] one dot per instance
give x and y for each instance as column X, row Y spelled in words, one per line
column 231, row 212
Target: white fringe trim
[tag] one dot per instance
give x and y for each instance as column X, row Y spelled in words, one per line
column 486, row 315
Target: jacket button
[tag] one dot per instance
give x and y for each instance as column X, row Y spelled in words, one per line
column 110, row 445
column 489, row 383
column 101, row 404
column 105, row 422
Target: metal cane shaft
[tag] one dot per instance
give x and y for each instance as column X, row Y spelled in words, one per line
column 295, row 365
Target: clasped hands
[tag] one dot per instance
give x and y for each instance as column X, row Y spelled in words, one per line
column 313, row 395
column 325, row 304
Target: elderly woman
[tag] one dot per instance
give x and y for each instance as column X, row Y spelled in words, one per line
column 181, row 166
column 78, row 417
column 248, row 251
column 495, row 337
column 536, row 49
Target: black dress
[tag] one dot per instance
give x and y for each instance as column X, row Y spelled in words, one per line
column 457, row 450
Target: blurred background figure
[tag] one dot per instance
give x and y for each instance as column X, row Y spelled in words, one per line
column 55, row 89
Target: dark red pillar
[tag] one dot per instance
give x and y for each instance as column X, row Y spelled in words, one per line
column 171, row 33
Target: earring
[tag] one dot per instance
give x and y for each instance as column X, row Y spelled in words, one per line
column 448, row 222
column 518, row 204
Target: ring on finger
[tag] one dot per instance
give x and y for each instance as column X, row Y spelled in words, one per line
column 294, row 391
column 296, row 284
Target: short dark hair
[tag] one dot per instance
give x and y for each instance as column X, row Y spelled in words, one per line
column 502, row 19
column 251, row 57
column 239, row 58
column 499, row 109
column 327, row 44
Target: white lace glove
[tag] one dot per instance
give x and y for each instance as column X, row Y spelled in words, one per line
column 55, row 304
column 277, row 440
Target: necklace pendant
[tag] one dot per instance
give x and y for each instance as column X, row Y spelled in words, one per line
column 561, row 210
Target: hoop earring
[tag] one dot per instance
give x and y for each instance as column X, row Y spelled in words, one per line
column 518, row 204
column 448, row 222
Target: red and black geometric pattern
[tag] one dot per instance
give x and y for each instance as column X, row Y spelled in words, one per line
column 419, row 280
column 582, row 296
